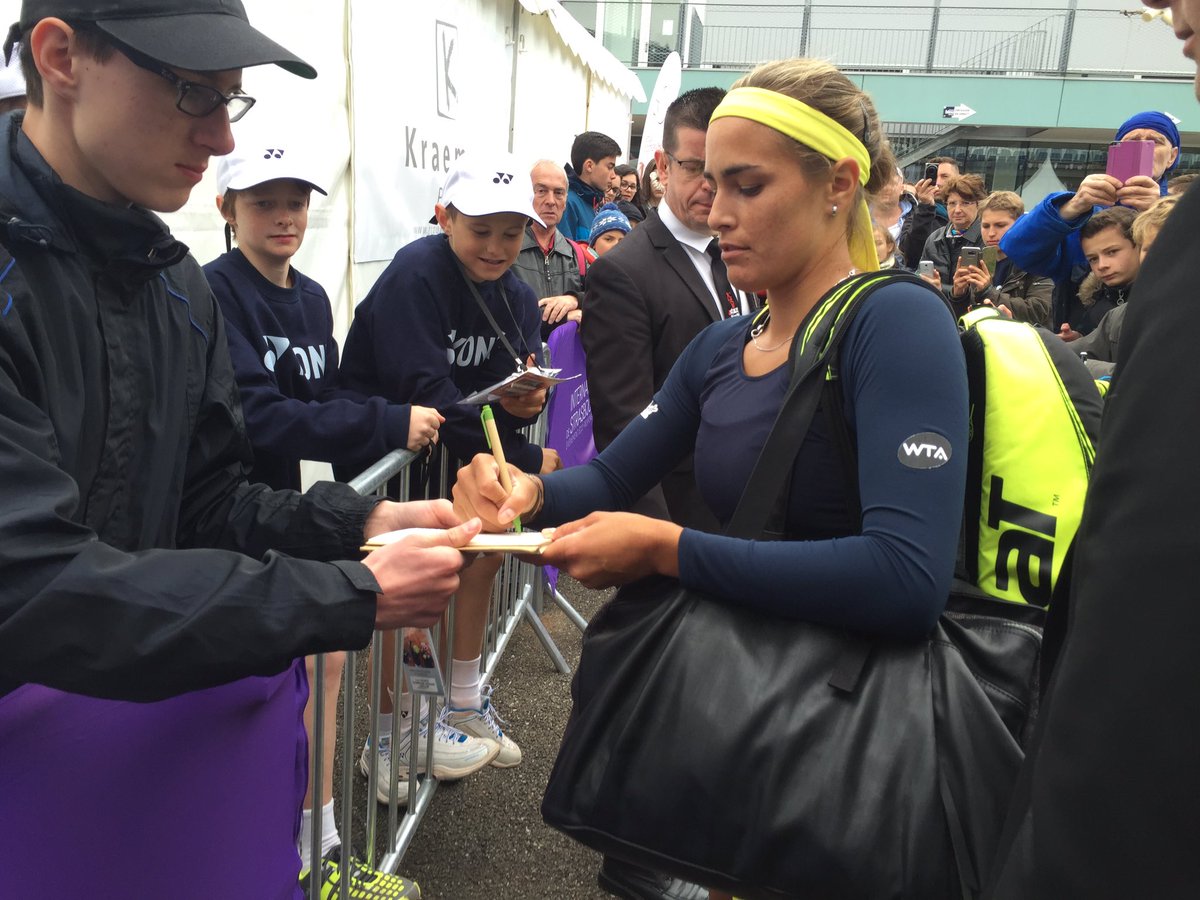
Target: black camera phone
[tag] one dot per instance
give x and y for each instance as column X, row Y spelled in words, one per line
column 931, row 172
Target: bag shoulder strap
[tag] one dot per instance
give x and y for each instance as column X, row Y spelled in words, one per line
column 581, row 259
column 816, row 343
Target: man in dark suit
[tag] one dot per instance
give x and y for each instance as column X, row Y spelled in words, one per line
column 647, row 298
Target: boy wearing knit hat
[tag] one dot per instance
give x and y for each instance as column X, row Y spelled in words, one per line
column 608, row 229
column 1045, row 241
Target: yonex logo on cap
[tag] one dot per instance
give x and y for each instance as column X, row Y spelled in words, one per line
column 273, row 154
column 502, row 178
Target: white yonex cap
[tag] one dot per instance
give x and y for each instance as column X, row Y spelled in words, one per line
column 12, row 82
column 260, row 159
column 481, row 184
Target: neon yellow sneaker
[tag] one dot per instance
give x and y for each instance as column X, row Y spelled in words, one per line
column 365, row 884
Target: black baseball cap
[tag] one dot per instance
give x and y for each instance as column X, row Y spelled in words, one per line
column 201, row 35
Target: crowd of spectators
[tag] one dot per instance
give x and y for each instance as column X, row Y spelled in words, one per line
column 157, row 547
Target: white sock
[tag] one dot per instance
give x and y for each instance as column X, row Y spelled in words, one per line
column 465, row 684
column 329, row 834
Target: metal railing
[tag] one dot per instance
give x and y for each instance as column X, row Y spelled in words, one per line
column 517, row 595
column 872, row 36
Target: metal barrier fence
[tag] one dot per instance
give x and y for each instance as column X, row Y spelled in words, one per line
column 967, row 37
column 518, row 593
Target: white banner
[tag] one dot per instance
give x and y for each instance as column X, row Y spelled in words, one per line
column 417, row 109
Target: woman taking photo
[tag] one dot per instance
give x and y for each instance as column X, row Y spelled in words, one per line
column 792, row 151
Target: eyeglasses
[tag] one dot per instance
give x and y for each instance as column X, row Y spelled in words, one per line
column 193, row 99
column 960, row 204
column 541, row 191
column 693, row 168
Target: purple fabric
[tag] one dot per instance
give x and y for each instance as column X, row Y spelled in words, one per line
column 569, row 414
column 198, row 796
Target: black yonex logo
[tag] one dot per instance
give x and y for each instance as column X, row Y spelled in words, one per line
column 502, row 178
column 924, row 451
column 272, row 153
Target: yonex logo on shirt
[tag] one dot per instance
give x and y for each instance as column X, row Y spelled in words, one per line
column 309, row 360
column 468, row 351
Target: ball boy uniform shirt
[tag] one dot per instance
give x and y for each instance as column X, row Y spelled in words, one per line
column 419, row 336
column 286, row 362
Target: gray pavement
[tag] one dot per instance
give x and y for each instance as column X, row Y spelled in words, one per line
column 483, row 837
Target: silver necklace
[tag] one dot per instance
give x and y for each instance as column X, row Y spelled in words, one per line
column 758, row 329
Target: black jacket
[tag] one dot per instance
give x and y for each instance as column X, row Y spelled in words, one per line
column 1106, row 803
column 121, row 439
column 942, row 249
column 921, row 222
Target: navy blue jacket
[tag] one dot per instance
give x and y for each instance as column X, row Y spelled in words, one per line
column 420, row 337
column 286, row 363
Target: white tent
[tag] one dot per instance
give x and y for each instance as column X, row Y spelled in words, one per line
column 402, row 88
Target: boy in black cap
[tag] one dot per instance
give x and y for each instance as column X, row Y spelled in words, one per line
column 126, row 509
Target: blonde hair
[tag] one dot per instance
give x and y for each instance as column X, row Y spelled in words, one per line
column 1003, row 201
column 1153, row 218
column 824, row 88
column 890, row 241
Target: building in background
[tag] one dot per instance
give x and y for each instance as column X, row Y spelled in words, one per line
column 1026, row 93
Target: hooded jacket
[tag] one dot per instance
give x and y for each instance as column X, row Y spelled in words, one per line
column 121, row 439
column 582, row 202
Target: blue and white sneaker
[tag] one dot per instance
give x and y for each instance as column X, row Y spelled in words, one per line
column 455, row 755
column 484, row 723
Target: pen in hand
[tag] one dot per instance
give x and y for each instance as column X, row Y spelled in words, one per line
column 493, row 441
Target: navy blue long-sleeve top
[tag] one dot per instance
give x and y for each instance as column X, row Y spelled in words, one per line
column 902, row 375
column 286, row 363
column 420, row 337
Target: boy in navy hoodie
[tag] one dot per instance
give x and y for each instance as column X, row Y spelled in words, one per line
column 280, row 334
column 423, row 333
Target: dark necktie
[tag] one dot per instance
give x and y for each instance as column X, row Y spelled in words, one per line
column 727, row 298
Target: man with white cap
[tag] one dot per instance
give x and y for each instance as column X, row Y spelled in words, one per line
column 446, row 318
column 137, row 562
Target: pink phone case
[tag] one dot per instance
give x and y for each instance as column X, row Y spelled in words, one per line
column 1129, row 158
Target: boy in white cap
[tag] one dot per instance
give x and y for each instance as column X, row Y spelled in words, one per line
column 446, row 318
column 280, row 331
column 137, row 562
column 12, row 82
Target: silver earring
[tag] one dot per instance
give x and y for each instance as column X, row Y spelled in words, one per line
column 833, row 212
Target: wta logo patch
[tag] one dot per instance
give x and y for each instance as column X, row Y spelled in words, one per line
column 924, row 451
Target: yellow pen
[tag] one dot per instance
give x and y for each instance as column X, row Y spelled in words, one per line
column 493, row 441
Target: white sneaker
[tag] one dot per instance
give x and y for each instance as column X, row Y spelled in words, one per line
column 455, row 755
column 383, row 763
column 484, row 723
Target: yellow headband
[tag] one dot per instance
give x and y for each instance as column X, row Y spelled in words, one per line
column 814, row 129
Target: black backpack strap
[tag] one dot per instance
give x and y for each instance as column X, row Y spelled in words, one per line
column 816, row 343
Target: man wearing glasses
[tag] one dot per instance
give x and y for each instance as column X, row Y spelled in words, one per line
column 136, row 561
